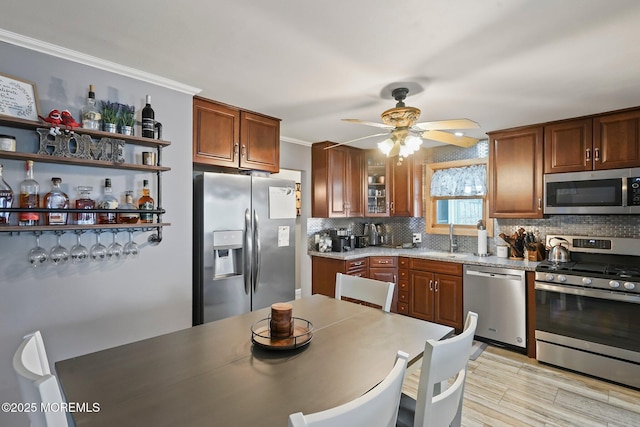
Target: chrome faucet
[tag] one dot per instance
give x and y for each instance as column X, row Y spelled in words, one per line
column 453, row 246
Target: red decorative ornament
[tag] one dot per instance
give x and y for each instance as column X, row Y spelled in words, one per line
column 68, row 121
column 55, row 119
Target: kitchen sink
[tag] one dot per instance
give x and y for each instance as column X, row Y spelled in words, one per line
column 444, row 254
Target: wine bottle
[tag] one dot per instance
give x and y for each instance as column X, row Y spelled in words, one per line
column 6, row 199
column 107, row 202
column 29, row 198
column 146, row 203
column 148, row 120
column 56, row 199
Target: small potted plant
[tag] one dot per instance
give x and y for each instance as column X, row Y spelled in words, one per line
column 110, row 116
column 127, row 119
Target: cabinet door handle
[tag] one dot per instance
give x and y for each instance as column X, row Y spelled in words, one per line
column 391, row 208
column 236, row 150
column 588, row 155
column 596, row 152
column 395, row 279
column 430, row 285
column 436, row 286
column 383, row 262
column 539, row 204
column 358, row 263
column 244, row 151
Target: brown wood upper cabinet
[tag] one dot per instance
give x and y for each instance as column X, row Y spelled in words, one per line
column 405, row 186
column 337, row 181
column 227, row 136
column 515, row 173
column 608, row 141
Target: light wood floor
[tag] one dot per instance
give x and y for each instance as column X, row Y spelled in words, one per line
column 505, row 388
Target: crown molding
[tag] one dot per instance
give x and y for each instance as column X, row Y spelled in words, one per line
column 92, row 61
column 295, row 141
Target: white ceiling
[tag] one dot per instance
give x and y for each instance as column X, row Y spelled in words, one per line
column 502, row 63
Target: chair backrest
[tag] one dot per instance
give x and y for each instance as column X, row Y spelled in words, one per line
column 377, row 407
column 37, row 386
column 363, row 289
column 442, row 360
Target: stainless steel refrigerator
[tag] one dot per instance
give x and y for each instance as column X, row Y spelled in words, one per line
column 243, row 244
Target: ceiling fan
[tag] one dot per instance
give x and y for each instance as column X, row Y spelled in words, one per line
column 405, row 135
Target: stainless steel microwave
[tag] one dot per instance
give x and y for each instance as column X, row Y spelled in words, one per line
column 614, row 191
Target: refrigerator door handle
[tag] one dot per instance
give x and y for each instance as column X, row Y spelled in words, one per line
column 256, row 251
column 246, row 257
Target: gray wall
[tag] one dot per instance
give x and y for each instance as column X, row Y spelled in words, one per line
column 298, row 157
column 81, row 309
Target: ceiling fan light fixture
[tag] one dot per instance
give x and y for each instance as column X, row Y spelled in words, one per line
column 385, row 146
column 413, row 142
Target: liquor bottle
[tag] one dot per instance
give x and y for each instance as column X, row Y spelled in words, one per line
column 29, row 198
column 56, row 199
column 90, row 114
column 6, row 199
column 85, row 202
column 128, row 217
column 107, row 201
column 148, row 120
column 145, row 203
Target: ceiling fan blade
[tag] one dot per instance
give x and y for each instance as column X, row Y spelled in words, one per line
column 446, row 137
column 364, row 122
column 354, row 140
column 448, row 124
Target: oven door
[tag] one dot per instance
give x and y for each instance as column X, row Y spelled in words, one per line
column 591, row 320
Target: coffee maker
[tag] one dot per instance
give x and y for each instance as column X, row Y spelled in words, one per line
column 342, row 240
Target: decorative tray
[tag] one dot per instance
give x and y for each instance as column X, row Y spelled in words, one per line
column 302, row 334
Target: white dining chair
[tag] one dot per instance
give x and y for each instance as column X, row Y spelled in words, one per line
column 37, row 385
column 363, row 289
column 377, row 407
column 438, row 405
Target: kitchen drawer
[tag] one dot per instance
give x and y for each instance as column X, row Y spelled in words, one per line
column 356, row 265
column 403, row 262
column 403, row 285
column 451, row 268
column 382, row 261
column 363, row 272
column 403, row 274
column 403, row 308
column 403, row 297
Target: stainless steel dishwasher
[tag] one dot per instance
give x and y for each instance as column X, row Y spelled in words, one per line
column 498, row 295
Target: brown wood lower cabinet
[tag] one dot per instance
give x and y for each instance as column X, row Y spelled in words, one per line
column 435, row 292
column 385, row 269
column 323, row 270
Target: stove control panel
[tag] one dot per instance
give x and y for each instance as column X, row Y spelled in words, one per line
column 588, row 282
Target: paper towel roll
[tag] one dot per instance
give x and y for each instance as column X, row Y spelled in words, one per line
column 482, row 242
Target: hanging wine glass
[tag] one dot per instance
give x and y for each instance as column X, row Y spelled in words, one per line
column 38, row 255
column 98, row 252
column 79, row 252
column 131, row 248
column 59, row 254
column 114, row 251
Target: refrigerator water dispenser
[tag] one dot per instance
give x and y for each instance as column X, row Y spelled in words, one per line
column 227, row 253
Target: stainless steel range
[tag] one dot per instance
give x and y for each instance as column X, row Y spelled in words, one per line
column 588, row 309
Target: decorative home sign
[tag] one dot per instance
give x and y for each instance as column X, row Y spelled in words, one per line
column 80, row 146
column 18, row 98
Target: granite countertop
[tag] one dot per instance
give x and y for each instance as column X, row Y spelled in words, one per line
column 424, row 253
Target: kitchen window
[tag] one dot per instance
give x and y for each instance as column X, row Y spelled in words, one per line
column 456, row 193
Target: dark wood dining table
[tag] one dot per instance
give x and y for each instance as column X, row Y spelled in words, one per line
column 212, row 374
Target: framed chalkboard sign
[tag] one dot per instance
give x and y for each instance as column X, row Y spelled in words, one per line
column 18, row 98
